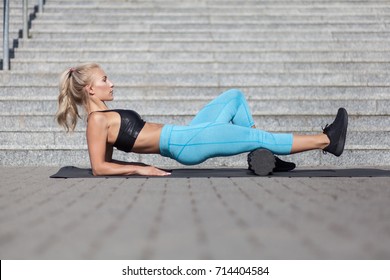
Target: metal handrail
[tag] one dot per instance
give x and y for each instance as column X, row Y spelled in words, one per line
column 6, row 50
column 6, row 35
column 25, row 19
column 40, row 6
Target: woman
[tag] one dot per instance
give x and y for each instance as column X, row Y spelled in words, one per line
column 224, row 127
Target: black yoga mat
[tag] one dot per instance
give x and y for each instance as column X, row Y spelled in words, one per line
column 75, row 172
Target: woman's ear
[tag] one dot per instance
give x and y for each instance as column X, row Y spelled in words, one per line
column 89, row 89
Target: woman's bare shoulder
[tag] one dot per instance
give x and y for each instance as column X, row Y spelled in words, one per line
column 103, row 119
column 97, row 119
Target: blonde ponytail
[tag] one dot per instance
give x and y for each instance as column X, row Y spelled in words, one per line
column 73, row 94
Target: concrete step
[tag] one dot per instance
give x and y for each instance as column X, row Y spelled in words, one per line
column 216, row 8
column 206, row 45
column 253, row 94
column 214, row 27
column 220, row 2
column 14, row 25
column 226, row 35
column 14, row 140
column 17, row 10
column 187, row 56
column 101, row 25
column 215, row 79
column 279, row 123
column 14, row 34
column 55, row 18
column 177, row 107
column 215, row 67
column 55, row 156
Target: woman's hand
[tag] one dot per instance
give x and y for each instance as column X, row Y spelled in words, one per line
column 152, row 171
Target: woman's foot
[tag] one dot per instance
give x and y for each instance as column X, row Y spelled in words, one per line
column 337, row 133
column 283, row 166
column 262, row 162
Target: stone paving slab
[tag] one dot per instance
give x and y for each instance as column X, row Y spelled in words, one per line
column 192, row 218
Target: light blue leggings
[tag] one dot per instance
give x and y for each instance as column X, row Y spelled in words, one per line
column 221, row 128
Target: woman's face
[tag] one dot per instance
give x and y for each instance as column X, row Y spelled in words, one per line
column 101, row 87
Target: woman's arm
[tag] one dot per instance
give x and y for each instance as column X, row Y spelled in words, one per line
column 101, row 156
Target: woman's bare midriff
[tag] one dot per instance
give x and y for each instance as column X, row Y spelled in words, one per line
column 148, row 140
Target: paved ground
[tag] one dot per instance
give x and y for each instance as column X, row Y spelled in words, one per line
column 228, row 218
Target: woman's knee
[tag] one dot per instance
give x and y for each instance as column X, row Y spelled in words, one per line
column 234, row 93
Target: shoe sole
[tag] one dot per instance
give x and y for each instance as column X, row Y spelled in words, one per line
column 343, row 136
column 261, row 162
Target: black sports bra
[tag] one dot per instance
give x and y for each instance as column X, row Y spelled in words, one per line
column 131, row 126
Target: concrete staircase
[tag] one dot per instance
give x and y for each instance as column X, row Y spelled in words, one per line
column 15, row 24
column 296, row 60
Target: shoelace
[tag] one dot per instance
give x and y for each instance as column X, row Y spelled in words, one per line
column 324, row 129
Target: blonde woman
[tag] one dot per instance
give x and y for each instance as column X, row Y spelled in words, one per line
column 224, row 127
